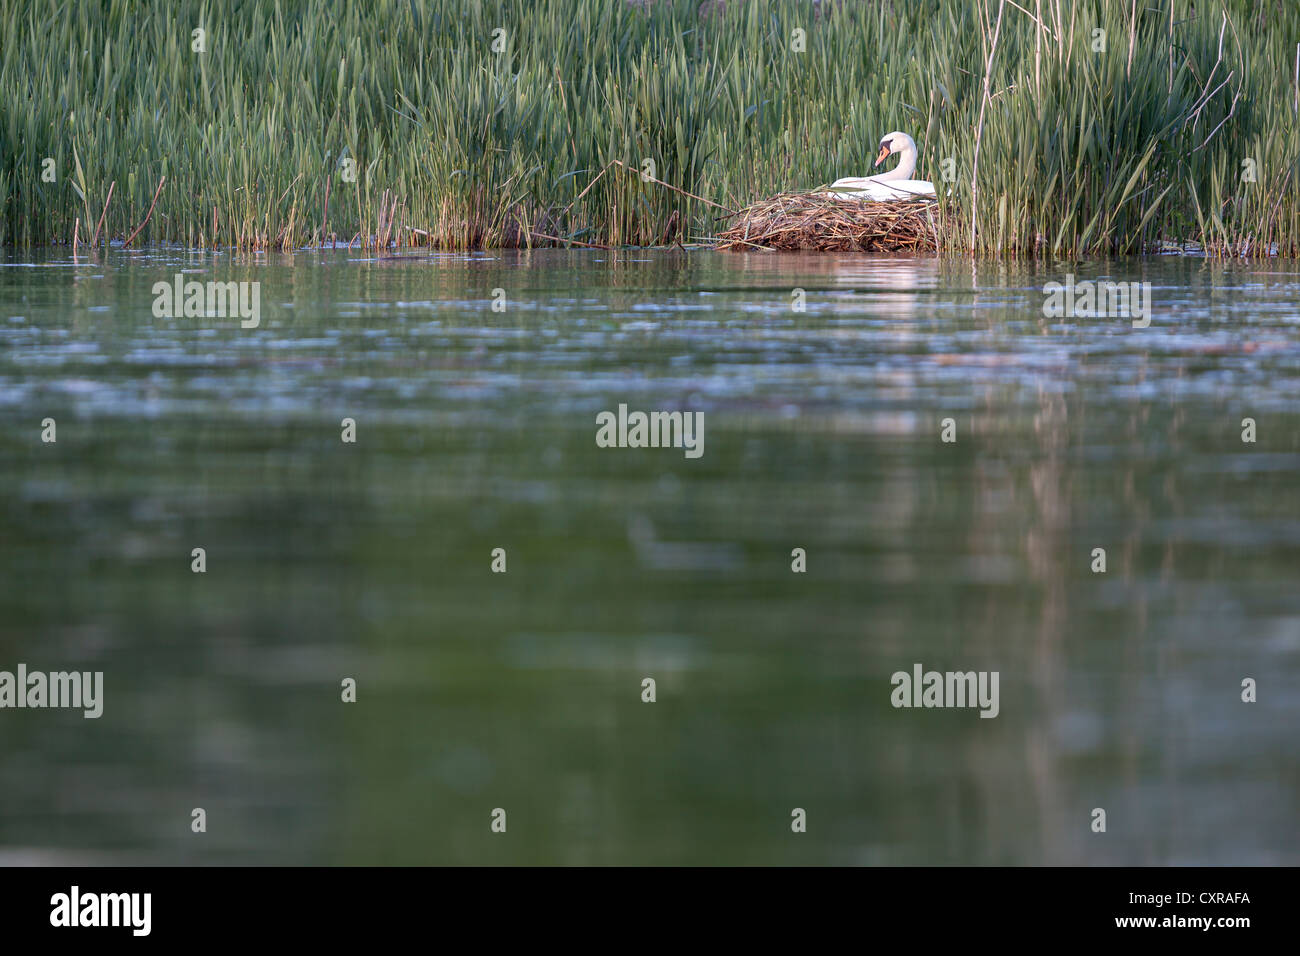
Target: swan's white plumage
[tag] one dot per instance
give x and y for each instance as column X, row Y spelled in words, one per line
column 890, row 186
column 874, row 189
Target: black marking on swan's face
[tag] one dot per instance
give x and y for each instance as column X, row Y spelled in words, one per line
column 895, row 142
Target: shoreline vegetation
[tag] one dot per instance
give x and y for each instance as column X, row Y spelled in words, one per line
column 1060, row 128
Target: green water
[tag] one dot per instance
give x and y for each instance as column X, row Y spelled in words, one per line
column 523, row 691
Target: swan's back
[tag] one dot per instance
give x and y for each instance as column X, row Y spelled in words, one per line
column 870, row 188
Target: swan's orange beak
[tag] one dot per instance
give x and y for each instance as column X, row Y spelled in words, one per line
column 884, row 151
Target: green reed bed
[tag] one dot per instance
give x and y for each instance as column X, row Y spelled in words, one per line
column 378, row 121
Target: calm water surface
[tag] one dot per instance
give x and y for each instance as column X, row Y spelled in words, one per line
column 476, row 430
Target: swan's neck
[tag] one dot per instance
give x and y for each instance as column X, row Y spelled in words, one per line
column 906, row 166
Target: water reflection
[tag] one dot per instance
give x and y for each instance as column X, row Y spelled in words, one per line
column 523, row 690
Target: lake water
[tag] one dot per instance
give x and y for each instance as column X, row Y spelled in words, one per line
column 475, row 430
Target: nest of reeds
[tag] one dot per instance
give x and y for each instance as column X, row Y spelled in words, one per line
column 818, row 222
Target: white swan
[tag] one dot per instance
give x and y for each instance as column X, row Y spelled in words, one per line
column 893, row 185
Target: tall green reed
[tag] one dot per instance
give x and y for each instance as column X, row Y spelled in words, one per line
column 461, row 135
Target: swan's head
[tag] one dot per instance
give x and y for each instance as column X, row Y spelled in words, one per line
column 895, row 142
